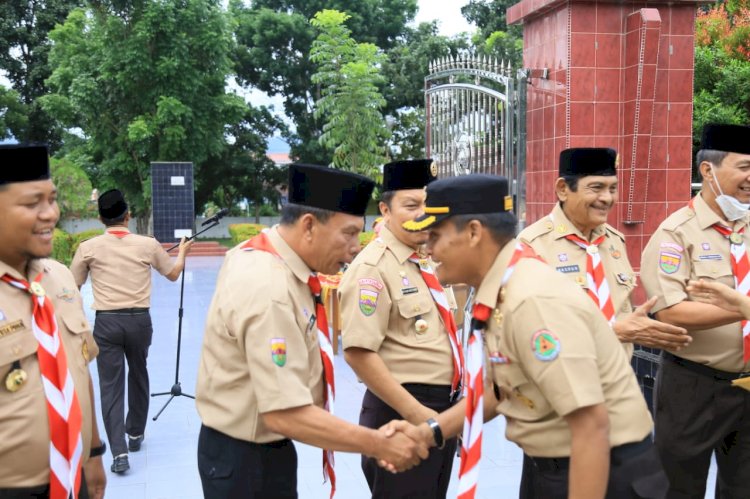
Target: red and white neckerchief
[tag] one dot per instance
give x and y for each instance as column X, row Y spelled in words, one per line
column 441, row 301
column 119, row 234
column 63, row 408
column 471, row 442
column 740, row 270
column 262, row 243
column 598, row 288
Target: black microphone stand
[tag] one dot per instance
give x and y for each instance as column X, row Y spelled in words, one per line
column 176, row 390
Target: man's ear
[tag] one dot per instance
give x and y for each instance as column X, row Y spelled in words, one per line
column 384, row 210
column 561, row 189
column 475, row 232
column 706, row 171
column 307, row 224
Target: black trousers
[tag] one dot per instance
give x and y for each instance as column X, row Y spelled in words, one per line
column 696, row 416
column 631, row 475
column 122, row 337
column 236, row 469
column 431, row 477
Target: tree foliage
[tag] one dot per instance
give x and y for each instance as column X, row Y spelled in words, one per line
column 274, row 38
column 24, row 49
column 144, row 81
column 494, row 37
column 350, row 102
column 74, row 188
column 722, row 66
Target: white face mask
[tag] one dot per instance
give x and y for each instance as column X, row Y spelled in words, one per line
column 732, row 208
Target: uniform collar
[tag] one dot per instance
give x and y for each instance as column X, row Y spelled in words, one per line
column 399, row 249
column 707, row 217
column 490, row 286
column 117, row 228
column 560, row 220
column 35, row 266
column 292, row 260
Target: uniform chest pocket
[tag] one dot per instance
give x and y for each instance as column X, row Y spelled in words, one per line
column 713, row 269
column 81, row 340
column 412, row 315
column 522, row 400
column 17, row 344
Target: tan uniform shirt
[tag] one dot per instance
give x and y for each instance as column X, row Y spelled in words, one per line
column 547, row 237
column 120, row 269
column 684, row 247
column 24, row 424
column 550, row 351
column 260, row 349
column 382, row 295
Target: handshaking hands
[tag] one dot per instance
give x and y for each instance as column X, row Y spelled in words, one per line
column 406, row 445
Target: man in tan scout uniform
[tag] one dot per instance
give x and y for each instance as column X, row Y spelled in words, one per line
column 120, row 266
column 576, row 232
column 266, row 365
column 31, row 286
column 571, row 400
column 394, row 337
column 698, row 411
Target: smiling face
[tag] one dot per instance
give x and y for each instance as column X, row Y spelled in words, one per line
column 336, row 242
column 733, row 176
column 405, row 205
column 589, row 205
column 28, row 215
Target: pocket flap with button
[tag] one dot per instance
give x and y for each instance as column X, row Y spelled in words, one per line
column 17, row 345
column 414, row 305
column 76, row 322
column 712, row 269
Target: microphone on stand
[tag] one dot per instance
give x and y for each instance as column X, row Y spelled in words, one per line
column 221, row 214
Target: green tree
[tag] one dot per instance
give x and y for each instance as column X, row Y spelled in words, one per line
column 24, row 49
column 254, row 177
column 13, row 116
column 274, row 39
column 73, row 187
column 722, row 67
column 144, row 81
column 350, row 102
column 494, row 37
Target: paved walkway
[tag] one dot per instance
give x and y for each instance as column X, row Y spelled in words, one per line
column 165, row 468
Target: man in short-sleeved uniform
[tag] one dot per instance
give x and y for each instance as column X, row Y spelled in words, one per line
column 698, row 412
column 261, row 380
column 28, row 214
column 120, row 266
column 587, row 191
column 394, row 337
column 571, row 400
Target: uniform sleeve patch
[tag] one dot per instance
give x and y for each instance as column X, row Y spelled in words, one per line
column 278, row 351
column 672, row 246
column 545, row 345
column 669, row 262
column 368, row 301
column 368, row 281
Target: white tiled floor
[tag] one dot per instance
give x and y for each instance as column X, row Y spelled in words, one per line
column 165, row 468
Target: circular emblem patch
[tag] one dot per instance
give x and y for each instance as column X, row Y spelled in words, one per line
column 433, row 169
column 545, row 345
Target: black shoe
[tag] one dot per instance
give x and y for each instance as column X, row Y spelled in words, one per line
column 120, row 464
column 134, row 443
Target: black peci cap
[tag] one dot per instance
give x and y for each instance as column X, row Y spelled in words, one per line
column 23, row 163
column 585, row 161
column 410, row 174
column 726, row 138
column 329, row 189
column 463, row 195
column 112, row 204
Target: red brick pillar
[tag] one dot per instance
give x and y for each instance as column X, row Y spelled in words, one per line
column 620, row 76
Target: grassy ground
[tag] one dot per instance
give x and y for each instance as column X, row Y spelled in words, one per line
column 227, row 242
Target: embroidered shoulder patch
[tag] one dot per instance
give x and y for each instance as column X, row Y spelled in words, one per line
column 368, row 281
column 368, row 301
column 671, row 245
column 545, row 345
column 278, row 351
column 669, row 263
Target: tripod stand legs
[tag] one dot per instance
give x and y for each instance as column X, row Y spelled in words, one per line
column 175, row 391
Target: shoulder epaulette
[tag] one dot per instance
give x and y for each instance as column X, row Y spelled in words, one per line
column 614, row 231
column 372, row 253
column 543, row 226
column 678, row 218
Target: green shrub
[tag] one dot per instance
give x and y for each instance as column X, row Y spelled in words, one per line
column 61, row 244
column 80, row 237
column 366, row 237
column 243, row 232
